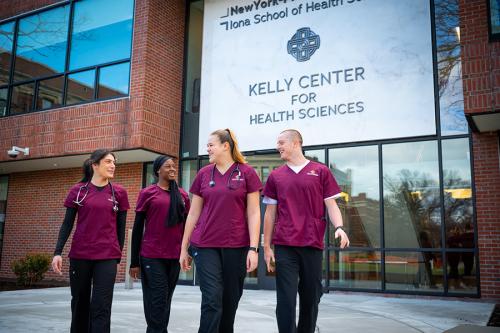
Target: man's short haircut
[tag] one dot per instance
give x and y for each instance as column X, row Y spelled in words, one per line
column 294, row 135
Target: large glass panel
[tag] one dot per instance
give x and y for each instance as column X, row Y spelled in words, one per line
column 414, row 271
column 357, row 173
column 80, row 87
column 457, row 193
column 462, row 272
column 191, row 115
column 355, row 269
column 102, row 32
column 50, row 93
column 4, row 183
column 22, row 98
column 316, row 155
column 189, row 170
column 3, row 101
column 113, row 81
column 41, row 44
column 6, row 42
column 451, row 99
column 411, row 195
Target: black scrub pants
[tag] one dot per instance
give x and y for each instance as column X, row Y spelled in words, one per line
column 221, row 273
column 158, row 278
column 298, row 269
column 92, row 283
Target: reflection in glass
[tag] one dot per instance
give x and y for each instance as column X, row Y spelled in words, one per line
column 80, row 87
column 113, row 81
column 355, row 269
column 191, row 115
column 6, row 42
column 316, row 155
column 50, row 93
column 422, row 271
column 451, row 99
column 102, row 32
column 457, row 193
column 412, row 214
column 3, row 101
column 41, row 44
column 189, row 170
column 4, row 183
column 22, row 99
column 357, row 173
column 461, row 272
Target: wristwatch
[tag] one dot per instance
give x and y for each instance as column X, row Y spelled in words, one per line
column 339, row 227
column 253, row 248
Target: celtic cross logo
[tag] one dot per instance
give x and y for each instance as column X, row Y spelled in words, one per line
column 303, row 44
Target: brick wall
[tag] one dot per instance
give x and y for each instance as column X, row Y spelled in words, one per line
column 35, row 212
column 149, row 118
column 481, row 77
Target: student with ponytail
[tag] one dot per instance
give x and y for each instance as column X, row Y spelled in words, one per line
column 97, row 243
column 222, row 231
column 161, row 211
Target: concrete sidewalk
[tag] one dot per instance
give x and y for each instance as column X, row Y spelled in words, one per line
column 48, row 310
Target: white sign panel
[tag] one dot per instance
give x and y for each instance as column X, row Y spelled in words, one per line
column 338, row 71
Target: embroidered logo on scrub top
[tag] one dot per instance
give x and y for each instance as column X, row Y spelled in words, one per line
column 313, row 173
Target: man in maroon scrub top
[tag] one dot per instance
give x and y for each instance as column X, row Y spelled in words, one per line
column 296, row 195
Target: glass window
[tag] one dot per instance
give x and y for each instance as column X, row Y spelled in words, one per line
column 451, row 99
column 357, row 173
column 462, row 272
column 6, row 42
column 355, row 269
column 80, row 87
column 4, row 183
column 113, row 81
column 316, row 155
column 457, row 194
column 412, row 214
column 189, row 170
column 102, row 32
column 41, row 44
column 3, row 101
column 22, row 98
column 414, row 271
column 191, row 115
column 50, row 93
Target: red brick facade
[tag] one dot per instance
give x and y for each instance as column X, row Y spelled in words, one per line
column 481, row 77
column 35, row 212
column 148, row 119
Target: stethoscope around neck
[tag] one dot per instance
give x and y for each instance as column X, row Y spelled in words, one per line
column 236, row 170
column 79, row 201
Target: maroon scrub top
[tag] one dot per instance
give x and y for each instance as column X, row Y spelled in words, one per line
column 96, row 236
column 159, row 241
column 223, row 221
column 300, row 217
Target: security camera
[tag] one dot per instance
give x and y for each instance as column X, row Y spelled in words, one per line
column 15, row 151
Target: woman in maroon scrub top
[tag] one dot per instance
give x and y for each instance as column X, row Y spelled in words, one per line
column 97, row 243
column 223, row 228
column 163, row 206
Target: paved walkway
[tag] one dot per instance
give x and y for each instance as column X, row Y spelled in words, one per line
column 48, row 310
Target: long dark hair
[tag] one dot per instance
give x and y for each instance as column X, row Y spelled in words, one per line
column 177, row 210
column 95, row 157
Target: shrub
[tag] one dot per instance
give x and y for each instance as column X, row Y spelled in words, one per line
column 31, row 268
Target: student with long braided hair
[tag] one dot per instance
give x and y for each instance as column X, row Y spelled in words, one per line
column 161, row 211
